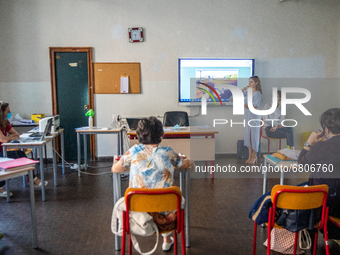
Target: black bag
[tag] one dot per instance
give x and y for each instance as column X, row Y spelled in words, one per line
column 296, row 220
column 16, row 154
column 242, row 151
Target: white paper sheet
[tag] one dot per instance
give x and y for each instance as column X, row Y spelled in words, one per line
column 293, row 154
column 124, row 84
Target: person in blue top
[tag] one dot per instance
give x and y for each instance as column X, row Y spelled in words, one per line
column 152, row 166
column 252, row 128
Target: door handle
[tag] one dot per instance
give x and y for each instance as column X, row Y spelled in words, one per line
column 86, row 107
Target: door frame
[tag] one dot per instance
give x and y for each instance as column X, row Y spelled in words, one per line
column 88, row 50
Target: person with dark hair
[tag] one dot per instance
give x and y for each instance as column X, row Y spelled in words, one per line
column 8, row 134
column 152, row 166
column 326, row 153
column 252, row 133
column 320, row 150
column 273, row 126
column 150, row 131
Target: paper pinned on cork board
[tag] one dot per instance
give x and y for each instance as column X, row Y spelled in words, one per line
column 124, row 84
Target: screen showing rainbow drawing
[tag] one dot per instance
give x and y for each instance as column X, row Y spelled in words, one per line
column 218, row 73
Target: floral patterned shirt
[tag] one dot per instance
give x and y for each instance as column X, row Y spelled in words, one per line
column 151, row 166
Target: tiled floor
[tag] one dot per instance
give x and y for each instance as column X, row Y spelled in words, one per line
column 76, row 217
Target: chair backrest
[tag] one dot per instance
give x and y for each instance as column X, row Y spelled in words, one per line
column 261, row 132
column 298, row 197
column 264, row 135
column 153, row 200
column 173, row 118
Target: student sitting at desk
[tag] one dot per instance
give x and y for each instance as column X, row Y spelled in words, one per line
column 7, row 135
column 315, row 153
column 152, row 166
column 326, row 153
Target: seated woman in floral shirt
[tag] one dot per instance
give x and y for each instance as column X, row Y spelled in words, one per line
column 152, row 166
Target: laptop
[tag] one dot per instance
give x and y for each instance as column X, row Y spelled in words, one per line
column 40, row 134
column 133, row 123
column 37, row 139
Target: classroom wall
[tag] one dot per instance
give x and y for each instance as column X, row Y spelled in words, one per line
column 295, row 42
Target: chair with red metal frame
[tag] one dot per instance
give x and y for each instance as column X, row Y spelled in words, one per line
column 297, row 198
column 154, row 200
column 335, row 221
column 270, row 138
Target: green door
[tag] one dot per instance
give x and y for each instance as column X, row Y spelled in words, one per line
column 72, row 94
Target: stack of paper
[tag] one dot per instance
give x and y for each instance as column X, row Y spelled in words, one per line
column 11, row 165
column 5, row 159
column 26, row 121
column 293, row 154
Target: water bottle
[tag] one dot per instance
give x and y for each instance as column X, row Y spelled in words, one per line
column 90, row 122
column 114, row 121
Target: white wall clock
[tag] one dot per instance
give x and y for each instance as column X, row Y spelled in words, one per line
column 136, row 34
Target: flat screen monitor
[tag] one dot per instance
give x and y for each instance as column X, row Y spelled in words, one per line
column 133, row 123
column 217, row 73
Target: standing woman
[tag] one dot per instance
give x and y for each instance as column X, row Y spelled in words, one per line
column 252, row 134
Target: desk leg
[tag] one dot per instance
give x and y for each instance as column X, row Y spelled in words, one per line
column 212, row 173
column 85, row 151
column 282, row 176
column 42, row 173
column 54, row 164
column 122, row 142
column 118, row 144
column 264, row 190
column 35, row 156
column 4, row 151
column 116, row 195
column 78, row 151
column 33, row 216
column 187, row 207
column 181, row 181
column 62, row 151
column 8, row 193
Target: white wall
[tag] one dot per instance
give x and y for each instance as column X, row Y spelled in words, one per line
column 292, row 39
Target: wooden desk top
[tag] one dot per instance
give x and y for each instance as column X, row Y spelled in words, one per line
column 188, row 131
column 99, row 130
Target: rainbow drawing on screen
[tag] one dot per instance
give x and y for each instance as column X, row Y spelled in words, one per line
column 204, row 90
column 204, row 96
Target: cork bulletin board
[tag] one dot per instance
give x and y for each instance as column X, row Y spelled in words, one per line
column 107, row 77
